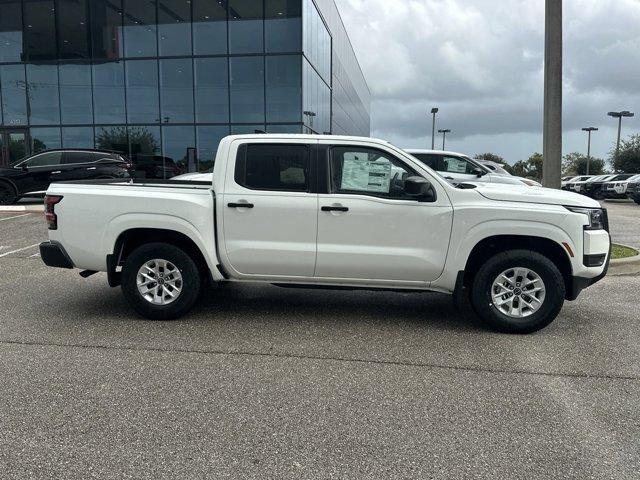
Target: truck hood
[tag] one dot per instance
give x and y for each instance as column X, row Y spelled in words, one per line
column 550, row 196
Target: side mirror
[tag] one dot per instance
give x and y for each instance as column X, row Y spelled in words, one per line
column 479, row 172
column 418, row 187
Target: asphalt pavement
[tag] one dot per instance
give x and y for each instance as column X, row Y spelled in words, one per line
column 264, row 382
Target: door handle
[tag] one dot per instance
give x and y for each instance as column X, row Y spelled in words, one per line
column 57, row 171
column 327, row 208
column 240, row 205
column 92, row 168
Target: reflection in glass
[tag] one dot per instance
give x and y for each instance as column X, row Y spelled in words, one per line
column 283, row 25
column 245, row 26
column 245, row 129
column 144, row 148
column 142, row 91
column 176, row 90
column 14, row 98
column 44, row 139
column 106, row 29
column 10, row 31
column 140, row 37
column 108, row 92
column 75, row 93
column 208, row 139
column 175, row 141
column 209, row 27
column 77, row 137
column 174, row 27
column 72, row 28
column 42, row 94
column 293, row 128
column 247, row 89
column 212, row 90
column 284, row 88
column 40, row 30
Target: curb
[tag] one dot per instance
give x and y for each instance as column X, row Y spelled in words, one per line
column 21, row 208
column 624, row 266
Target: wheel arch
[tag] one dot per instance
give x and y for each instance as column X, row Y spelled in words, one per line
column 12, row 184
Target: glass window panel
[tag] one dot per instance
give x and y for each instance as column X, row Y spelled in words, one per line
column 209, row 27
column 283, row 26
column 244, row 129
column 10, row 31
column 73, row 34
column 42, row 94
column 174, row 27
column 274, row 167
column 247, row 89
column 212, row 90
column 108, row 92
column 110, row 137
column 75, row 93
column 14, row 98
column 140, row 30
column 144, row 151
column 106, row 29
column 176, row 90
column 208, row 139
column 175, row 141
column 284, row 88
column 40, row 30
column 246, row 26
column 293, row 128
column 142, row 91
column 45, row 159
column 44, row 139
column 77, row 137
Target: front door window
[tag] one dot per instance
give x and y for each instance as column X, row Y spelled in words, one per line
column 13, row 146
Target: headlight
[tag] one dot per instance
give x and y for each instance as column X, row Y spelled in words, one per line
column 597, row 217
column 530, row 183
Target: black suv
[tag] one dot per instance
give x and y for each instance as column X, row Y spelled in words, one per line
column 31, row 176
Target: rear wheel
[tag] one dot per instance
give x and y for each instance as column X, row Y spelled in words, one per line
column 7, row 194
column 518, row 291
column 160, row 281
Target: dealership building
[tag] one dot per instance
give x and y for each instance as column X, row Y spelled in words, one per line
column 164, row 80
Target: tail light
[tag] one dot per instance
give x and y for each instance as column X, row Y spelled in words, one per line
column 50, row 202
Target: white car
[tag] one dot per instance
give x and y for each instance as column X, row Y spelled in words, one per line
column 570, row 184
column 621, row 187
column 333, row 212
column 617, row 186
column 458, row 167
column 579, row 185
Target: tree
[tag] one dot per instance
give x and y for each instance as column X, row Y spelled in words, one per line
column 628, row 159
column 529, row 168
column 142, row 141
column 576, row 164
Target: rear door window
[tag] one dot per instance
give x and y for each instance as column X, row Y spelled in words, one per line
column 45, row 159
column 71, row 158
column 273, row 167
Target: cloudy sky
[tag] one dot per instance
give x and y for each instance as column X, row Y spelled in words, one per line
column 481, row 63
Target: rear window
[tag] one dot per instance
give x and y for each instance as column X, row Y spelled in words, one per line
column 273, row 167
column 77, row 157
column 429, row 159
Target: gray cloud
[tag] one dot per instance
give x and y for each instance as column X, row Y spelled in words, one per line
column 481, row 63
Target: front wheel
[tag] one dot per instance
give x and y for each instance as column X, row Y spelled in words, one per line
column 7, row 194
column 518, row 291
column 160, row 281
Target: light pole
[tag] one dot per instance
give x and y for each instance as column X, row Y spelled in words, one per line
column 310, row 115
column 619, row 115
column 589, row 130
column 434, row 110
column 444, row 135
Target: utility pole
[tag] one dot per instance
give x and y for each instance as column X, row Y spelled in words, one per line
column 589, row 130
column 619, row 115
column 444, row 135
column 434, row 110
column 552, row 129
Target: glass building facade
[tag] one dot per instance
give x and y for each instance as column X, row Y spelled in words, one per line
column 164, row 80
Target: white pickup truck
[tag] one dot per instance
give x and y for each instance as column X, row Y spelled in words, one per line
column 331, row 212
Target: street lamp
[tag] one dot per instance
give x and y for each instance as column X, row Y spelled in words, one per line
column 589, row 129
column 619, row 115
column 444, row 135
column 434, row 110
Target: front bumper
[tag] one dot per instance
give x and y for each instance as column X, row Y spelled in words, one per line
column 54, row 255
column 580, row 283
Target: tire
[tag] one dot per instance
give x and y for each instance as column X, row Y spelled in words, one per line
column 637, row 200
column 7, row 194
column 546, row 304
column 178, row 272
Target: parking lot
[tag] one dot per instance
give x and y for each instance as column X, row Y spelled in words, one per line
column 264, row 382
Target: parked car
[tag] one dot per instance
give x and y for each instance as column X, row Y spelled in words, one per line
column 31, row 176
column 495, row 167
column 334, row 212
column 579, row 185
column 633, row 189
column 570, row 184
column 616, row 187
column 593, row 187
column 457, row 167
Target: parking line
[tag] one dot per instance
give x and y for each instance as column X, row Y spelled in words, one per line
column 18, row 250
column 15, row 216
